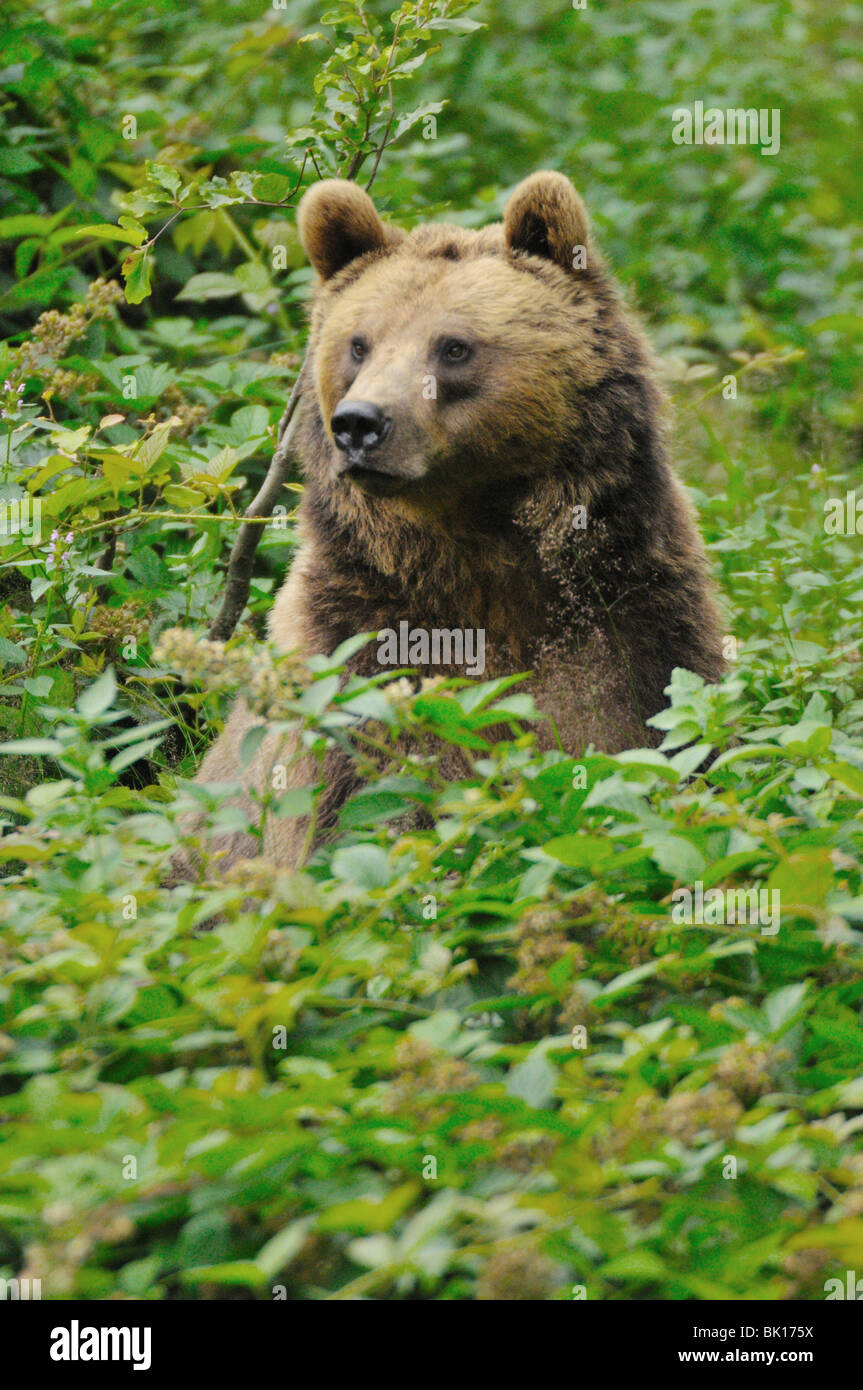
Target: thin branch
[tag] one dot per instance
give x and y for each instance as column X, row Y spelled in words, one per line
column 243, row 553
column 240, row 565
column 382, row 146
column 106, row 560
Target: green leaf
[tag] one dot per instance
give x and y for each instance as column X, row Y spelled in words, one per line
column 635, row 1266
column 534, row 1080
column 235, row 1272
column 848, row 775
column 132, row 235
column 152, row 447
column 128, row 756
column 183, row 498
column 581, row 851
column 675, row 855
column 803, row 879
column 48, row 747
column 136, row 271
column 365, row 865
column 278, row 1252
column 785, row 1004
column 98, row 697
column 210, row 284
column 362, row 1214
column 11, row 653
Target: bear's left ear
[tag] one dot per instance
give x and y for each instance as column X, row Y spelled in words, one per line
column 545, row 217
column 337, row 222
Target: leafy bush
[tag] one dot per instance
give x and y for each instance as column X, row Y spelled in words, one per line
column 479, row 1054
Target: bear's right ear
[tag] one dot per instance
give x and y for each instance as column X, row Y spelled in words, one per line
column 545, row 217
column 337, row 222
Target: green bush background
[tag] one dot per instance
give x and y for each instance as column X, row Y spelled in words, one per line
column 368, row 1080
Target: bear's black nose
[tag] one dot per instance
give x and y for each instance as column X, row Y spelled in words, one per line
column 358, row 426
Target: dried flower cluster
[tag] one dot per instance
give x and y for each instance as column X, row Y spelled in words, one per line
column 65, row 383
column 746, row 1069
column 542, row 940
column 687, row 1116
column 185, row 415
column 53, row 332
column 518, row 1273
column 421, row 1071
column 127, row 620
column 270, row 681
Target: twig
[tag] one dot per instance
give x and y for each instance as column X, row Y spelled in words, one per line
column 106, row 560
column 243, row 553
column 382, row 146
column 239, row 575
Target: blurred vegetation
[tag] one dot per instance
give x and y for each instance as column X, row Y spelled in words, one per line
column 480, row 1059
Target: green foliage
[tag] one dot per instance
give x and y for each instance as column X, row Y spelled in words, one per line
column 485, row 1057
column 256, row 1105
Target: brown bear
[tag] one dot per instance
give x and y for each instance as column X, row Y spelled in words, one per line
column 482, row 445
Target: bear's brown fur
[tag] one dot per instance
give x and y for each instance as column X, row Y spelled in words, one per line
column 517, row 390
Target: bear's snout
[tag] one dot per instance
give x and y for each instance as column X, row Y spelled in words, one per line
column 359, row 427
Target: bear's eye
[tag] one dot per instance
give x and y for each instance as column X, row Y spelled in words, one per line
column 359, row 349
column 454, row 350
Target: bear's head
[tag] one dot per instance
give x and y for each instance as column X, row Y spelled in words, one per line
column 447, row 361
